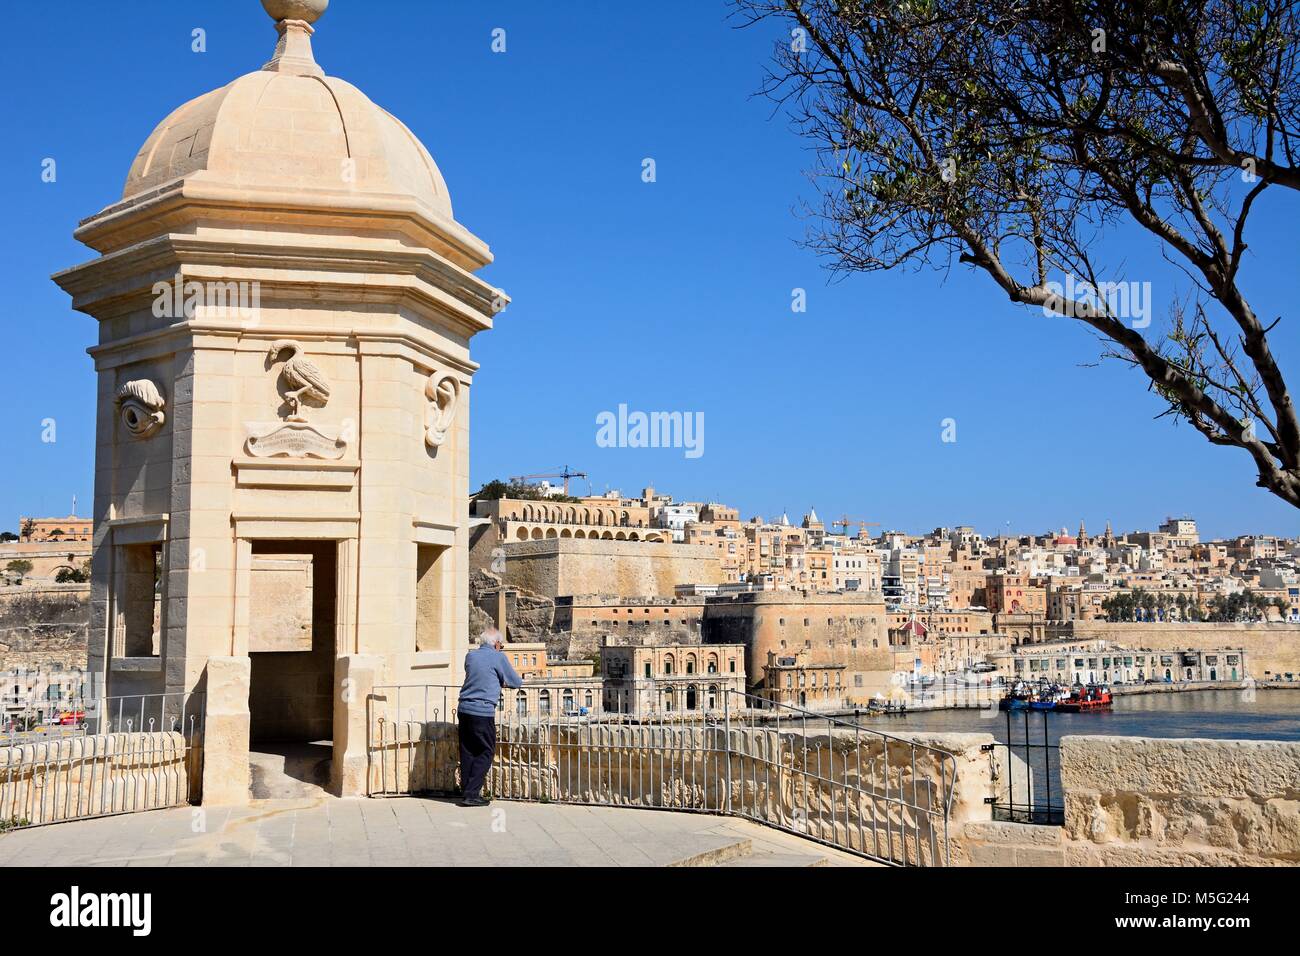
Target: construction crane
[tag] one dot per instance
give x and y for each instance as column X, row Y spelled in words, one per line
column 563, row 473
column 845, row 522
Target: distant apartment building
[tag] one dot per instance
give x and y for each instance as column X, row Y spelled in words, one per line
column 1015, row 593
column 1181, row 532
column 675, row 518
column 70, row 528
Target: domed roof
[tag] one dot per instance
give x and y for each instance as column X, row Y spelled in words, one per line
column 289, row 126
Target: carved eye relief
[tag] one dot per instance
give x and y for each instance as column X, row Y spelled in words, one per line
column 140, row 407
column 444, row 396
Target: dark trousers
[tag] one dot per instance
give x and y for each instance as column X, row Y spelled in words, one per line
column 478, row 745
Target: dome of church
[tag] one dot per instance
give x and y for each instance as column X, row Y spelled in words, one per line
column 289, row 127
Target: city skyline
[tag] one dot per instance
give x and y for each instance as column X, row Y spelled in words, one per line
column 657, row 307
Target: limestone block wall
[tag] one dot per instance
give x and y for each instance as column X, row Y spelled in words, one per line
column 1137, row 800
column 556, row 566
column 94, row 775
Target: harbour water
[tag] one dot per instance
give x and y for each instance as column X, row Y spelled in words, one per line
column 1240, row 714
column 1032, row 793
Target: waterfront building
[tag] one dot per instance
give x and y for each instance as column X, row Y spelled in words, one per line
column 794, row 680
column 642, row 678
column 1102, row 662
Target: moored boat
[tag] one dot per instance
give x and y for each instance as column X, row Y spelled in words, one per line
column 1083, row 699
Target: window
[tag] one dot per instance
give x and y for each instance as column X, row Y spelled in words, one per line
column 138, row 625
column 432, row 580
column 857, row 680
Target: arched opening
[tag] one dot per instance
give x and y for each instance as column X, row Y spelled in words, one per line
column 521, row 704
column 537, row 534
column 550, row 533
column 544, row 703
column 690, row 697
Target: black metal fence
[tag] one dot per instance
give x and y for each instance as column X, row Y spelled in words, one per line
column 1031, row 785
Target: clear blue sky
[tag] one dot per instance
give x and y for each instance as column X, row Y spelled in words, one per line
column 666, row 296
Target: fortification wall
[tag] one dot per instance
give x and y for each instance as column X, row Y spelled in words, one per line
column 556, row 566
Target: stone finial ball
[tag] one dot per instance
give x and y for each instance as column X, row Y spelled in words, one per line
column 309, row 10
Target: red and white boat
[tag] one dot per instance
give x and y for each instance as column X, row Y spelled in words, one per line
column 1092, row 697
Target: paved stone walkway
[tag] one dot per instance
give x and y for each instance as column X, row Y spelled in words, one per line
column 411, row 832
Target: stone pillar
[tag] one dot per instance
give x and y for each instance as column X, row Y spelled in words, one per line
column 355, row 676
column 225, row 732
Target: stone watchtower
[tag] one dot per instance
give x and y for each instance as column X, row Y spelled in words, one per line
column 285, row 303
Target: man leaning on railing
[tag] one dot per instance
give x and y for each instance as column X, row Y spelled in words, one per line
column 487, row 670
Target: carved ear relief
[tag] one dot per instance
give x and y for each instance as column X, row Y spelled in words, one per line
column 140, row 406
column 443, row 393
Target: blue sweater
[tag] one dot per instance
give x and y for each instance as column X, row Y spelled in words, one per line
column 487, row 670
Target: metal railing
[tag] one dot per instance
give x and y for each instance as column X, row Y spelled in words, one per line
column 1033, row 791
column 823, row 777
column 90, row 757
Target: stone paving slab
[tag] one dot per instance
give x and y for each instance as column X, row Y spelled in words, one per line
column 403, row 832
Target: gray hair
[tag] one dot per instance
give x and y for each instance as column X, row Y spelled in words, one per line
column 490, row 638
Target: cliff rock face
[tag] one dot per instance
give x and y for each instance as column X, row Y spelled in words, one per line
column 529, row 617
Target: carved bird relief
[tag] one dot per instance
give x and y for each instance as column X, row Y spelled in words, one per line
column 301, row 375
